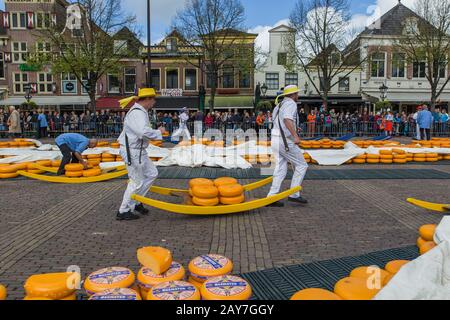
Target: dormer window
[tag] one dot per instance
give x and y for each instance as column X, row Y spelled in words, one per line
column 171, row 44
column 411, row 27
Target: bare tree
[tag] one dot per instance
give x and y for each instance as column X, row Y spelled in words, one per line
column 84, row 44
column 321, row 43
column 213, row 32
column 426, row 43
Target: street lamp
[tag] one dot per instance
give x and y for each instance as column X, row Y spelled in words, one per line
column 149, row 55
column 264, row 89
column 306, row 88
column 383, row 90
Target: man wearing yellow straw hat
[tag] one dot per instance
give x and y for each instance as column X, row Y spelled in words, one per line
column 285, row 145
column 134, row 141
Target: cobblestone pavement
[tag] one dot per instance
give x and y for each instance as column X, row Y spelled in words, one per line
column 47, row 227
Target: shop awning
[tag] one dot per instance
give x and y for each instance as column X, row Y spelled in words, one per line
column 47, row 101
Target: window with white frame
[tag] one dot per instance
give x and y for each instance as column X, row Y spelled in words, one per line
column 43, row 20
column 378, row 65
column 398, row 65
column 291, row 79
column 20, row 81
column 43, row 49
column 69, row 83
column 2, row 65
column 18, row 20
column 113, row 83
column 273, row 81
column 19, row 52
column 45, row 82
column 419, row 69
column 190, row 79
column 130, row 79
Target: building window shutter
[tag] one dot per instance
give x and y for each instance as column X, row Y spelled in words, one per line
column 8, row 57
column 54, row 19
column 30, row 20
column 6, row 20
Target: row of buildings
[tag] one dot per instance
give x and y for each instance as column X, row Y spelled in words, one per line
column 179, row 83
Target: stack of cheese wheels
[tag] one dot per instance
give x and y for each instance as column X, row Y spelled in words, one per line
column 226, row 287
column 230, row 191
column 174, row 290
column 420, row 157
column 373, row 158
column 316, row 144
column 94, row 172
column 4, row 144
column 203, row 192
column 208, row 266
column 432, row 157
column 386, row 156
column 326, row 144
column 3, row 292
column 118, row 294
column 307, row 157
column 147, row 279
column 54, row 286
column 102, row 144
column 400, row 156
column 338, row 144
column 314, row 294
column 108, row 278
column 426, row 238
column 74, row 170
column 409, row 157
column 8, row 171
column 31, row 168
column 108, row 157
column 360, row 159
column 306, row 144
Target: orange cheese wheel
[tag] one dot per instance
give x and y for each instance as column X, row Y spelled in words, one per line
column 174, row 290
column 432, row 159
column 355, row 289
column 432, row 155
column 400, row 156
column 8, row 175
column 3, row 292
column 373, row 157
column 36, row 171
column 205, row 192
column 386, row 157
column 74, row 167
column 27, row 298
column 44, row 163
column 56, row 163
column 148, row 279
column 30, row 166
column 427, row 246
column 205, row 202
column 368, row 272
column 74, row 174
column 156, row 259
column 427, row 232
column 420, row 242
column 359, row 161
column 395, row 266
column 226, row 287
column 400, row 161
column 315, row 295
column 108, row 278
column 224, row 181
column 386, row 152
column 200, row 182
column 52, row 285
column 232, row 200
column 9, row 169
column 231, row 190
column 362, row 157
column 94, row 156
column 92, row 173
column 420, row 155
column 386, row 161
column 416, row 159
column 399, row 151
column 117, row 294
column 205, row 267
column 93, row 162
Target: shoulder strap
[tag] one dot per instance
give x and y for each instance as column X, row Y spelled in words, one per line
column 283, row 136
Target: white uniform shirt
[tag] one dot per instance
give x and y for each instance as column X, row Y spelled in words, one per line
column 137, row 127
column 288, row 111
column 183, row 120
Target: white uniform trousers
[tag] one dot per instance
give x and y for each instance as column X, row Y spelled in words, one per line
column 295, row 157
column 141, row 177
column 181, row 132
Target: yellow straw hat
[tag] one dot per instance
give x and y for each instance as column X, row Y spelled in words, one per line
column 288, row 90
column 143, row 93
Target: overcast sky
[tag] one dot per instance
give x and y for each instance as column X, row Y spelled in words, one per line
column 262, row 15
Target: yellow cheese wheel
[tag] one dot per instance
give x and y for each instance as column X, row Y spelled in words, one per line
column 52, row 285
column 420, row 155
column 427, row 246
column 174, row 290
column 156, row 259
column 416, row 159
column 3, row 293
column 224, row 181
column 373, row 161
column 74, row 174
column 359, row 161
column 362, row 157
column 9, row 169
column 315, row 295
column 432, row 159
column 56, row 163
column 44, row 163
column 212, row 265
column 386, row 161
column 30, row 166
column 148, row 279
column 386, row 152
column 8, row 175
column 13, row 144
column 200, row 182
column 355, row 289
column 117, row 294
column 232, row 200
column 399, row 151
column 432, row 155
column 400, row 161
column 395, row 266
column 420, row 242
column 369, row 272
column 205, row 202
column 92, row 173
column 36, row 171
column 94, row 156
column 373, row 157
column 427, row 232
column 108, row 278
column 231, row 190
column 401, row 156
column 93, row 162
column 74, row 167
column 386, row 157
column 205, row 192
column 27, row 298
column 226, row 287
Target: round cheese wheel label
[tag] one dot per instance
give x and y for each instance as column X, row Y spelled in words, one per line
column 174, row 290
column 226, row 286
column 210, row 262
column 147, row 278
column 110, row 275
column 116, row 294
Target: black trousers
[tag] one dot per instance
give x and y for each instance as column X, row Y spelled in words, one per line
column 425, row 134
column 68, row 157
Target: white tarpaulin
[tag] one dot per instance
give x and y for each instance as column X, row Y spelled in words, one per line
column 427, row 277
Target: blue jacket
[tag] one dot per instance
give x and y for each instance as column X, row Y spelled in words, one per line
column 425, row 119
column 76, row 142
